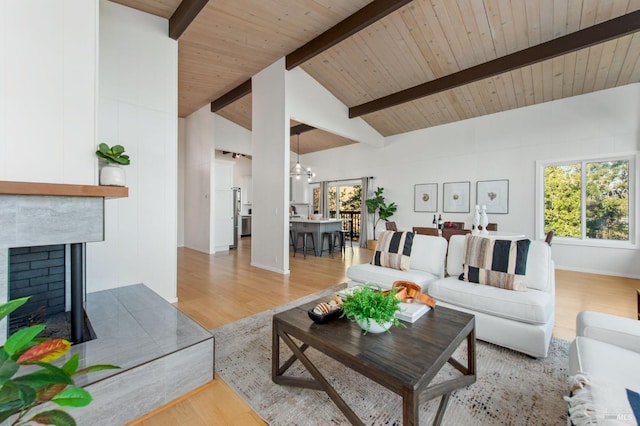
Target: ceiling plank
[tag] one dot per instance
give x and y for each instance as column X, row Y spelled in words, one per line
column 596, row 34
column 366, row 16
column 231, row 96
column 183, row 16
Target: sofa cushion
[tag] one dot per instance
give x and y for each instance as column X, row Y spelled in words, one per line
column 533, row 306
column 539, row 267
column 498, row 263
column 428, row 254
column 385, row 277
column 393, row 250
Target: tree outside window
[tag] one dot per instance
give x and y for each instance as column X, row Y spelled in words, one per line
column 588, row 200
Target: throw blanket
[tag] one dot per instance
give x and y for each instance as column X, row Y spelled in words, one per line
column 597, row 402
column 498, row 263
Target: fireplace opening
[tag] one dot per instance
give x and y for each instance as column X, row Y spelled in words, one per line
column 42, row 272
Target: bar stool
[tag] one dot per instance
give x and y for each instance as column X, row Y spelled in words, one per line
column 304, row 247
column 328, row 236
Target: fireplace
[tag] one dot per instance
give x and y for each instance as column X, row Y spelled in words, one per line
column 34, row 215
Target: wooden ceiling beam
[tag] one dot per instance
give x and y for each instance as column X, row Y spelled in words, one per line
column 364, row 17
column 301, row 128
column 231, row 96
column 183, row 16
column 596, row 34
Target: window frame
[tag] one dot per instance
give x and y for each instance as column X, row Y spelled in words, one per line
column 634, row 206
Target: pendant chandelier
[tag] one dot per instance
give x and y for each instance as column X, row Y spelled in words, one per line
column 298, row 171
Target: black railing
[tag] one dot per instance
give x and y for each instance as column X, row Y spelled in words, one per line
column 351, row 222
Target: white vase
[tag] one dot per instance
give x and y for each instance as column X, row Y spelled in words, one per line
column 484, row 220
column 374, row 326
column 476, row 221
column 112, row 175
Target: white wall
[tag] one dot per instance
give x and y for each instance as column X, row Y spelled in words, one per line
column 270, row 123
column 181, row 171
column 501, row 146
column 231, row 137
column 199, row 131
column 138, row 109
column 48, row 91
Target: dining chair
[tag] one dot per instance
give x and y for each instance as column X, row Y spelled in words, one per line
column 425, row 231
column 391, row 226
column 549, row 237
column 492, row 227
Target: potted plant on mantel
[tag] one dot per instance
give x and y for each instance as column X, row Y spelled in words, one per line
column 112, row 158
column 378, row 205
column 373, row 310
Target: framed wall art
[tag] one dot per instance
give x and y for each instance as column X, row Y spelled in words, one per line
column 425, row 197
column 494, row 194
column 455, row 198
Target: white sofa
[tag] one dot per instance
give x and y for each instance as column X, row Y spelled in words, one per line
column 519, row 320
column 426, row 265
column 605, row 359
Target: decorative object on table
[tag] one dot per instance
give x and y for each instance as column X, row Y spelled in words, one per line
column 374, row 311
column 484, row 220
column 455, row 197
column 50, row 383
column 324, row 312
column 425, row 197
column 494, row 194
column 476, row 221
column 377, row 205
column 112, row 158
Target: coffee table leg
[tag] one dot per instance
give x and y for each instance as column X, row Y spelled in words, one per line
column 441, row 409
column 410, row 411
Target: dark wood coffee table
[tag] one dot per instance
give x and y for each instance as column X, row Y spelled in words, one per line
column 404, row 361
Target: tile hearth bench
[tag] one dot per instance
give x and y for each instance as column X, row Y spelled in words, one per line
column 163, row 354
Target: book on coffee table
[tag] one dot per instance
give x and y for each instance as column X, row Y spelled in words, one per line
column 410, row 312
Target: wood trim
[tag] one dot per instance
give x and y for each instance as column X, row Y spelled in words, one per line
column 596, row 34
column 59, row 189
column 231, row 96
column 300, row 128
column 366, row 16
column 183, row 16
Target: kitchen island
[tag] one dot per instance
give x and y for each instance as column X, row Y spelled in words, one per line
column 315, row 226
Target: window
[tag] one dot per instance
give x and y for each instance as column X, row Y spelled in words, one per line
column 589, row 200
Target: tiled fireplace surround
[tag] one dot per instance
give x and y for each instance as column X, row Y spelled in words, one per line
column 162, row 353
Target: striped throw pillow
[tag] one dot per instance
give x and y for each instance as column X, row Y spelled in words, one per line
column 393, row 250
column 498, row 263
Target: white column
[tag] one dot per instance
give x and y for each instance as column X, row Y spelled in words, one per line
column 270, row 140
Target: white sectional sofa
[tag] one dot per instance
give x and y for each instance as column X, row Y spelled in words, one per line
column 519, row 320
column 427, row 265
column 605, row 360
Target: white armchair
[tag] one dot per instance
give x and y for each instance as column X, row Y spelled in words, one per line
column 604, row 363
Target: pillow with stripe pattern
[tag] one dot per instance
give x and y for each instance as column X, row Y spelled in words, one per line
column 498, row 263
column 393, row 250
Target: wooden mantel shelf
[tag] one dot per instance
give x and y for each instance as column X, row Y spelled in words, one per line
column 60, row 189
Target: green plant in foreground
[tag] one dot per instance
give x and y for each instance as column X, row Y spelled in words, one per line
column 49, row 383
column 368, row 304
column 114, row 155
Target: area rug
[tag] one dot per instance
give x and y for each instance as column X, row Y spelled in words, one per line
column 511, row 388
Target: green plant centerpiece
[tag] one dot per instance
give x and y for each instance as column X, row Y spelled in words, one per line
column 112, row 158
column 369, row 307
column 377, row 205
column 113, row 155
column 43, row 382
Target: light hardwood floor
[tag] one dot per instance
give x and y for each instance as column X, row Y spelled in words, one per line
column 219, row 289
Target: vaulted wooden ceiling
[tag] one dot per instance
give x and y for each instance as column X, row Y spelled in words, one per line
column 423, row 41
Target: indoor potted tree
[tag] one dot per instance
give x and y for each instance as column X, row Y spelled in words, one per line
column 373, row 310
column 112, row 158
column 377, row 205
